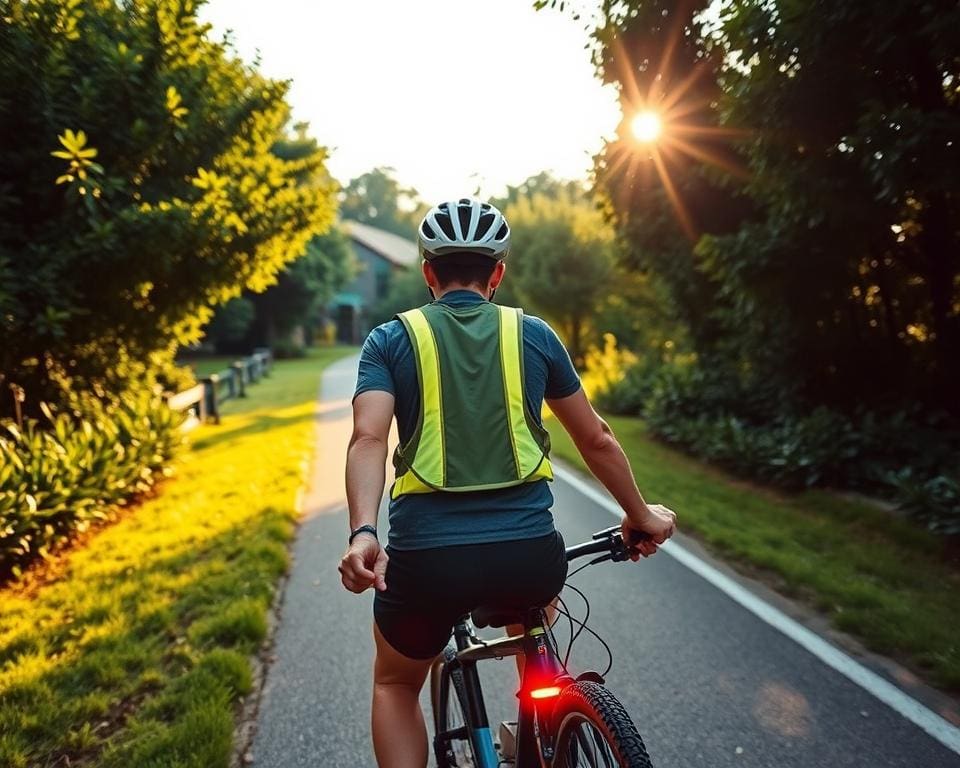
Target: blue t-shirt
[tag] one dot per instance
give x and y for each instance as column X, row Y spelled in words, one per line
column 424, row 520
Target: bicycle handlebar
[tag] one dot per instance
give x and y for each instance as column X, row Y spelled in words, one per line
column 609, row 541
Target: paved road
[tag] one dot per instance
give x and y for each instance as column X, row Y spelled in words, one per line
column 707, row 682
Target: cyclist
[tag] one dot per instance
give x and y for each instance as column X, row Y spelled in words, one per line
column 469, row 511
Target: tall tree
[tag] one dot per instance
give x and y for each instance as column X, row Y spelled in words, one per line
column 853, row 261
column 137, row 189
column 543, row 183
column 664, row 193
column 561, row 263
column 377, row 198
column 302, row 287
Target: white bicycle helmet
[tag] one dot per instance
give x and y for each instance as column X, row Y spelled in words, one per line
column 467, row 225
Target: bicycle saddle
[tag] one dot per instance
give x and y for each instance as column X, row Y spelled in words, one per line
column 494, row 616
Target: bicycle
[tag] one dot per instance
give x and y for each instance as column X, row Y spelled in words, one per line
column 562, row 721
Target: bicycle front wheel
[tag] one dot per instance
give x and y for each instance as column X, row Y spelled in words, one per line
column 594, row 730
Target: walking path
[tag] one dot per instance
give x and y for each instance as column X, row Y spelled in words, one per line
column 709, row 682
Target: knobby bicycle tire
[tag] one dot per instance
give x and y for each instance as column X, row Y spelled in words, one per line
column 448, row 694
column 590, row 703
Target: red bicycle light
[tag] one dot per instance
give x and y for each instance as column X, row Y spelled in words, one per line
column 545, row 693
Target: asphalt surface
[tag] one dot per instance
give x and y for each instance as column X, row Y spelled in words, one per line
column 707, row 683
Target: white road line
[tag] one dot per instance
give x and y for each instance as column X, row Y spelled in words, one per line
column 889, row 694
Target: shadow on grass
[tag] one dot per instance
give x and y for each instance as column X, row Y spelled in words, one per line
column 159, row 675
column 215, row 436
column 264, row 423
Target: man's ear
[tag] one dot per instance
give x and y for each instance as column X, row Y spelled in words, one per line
column 430, row 277
column 428, row 274
column 497, row 276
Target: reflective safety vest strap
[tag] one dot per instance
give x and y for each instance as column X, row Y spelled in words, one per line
column 428, row 461
column 526, row 452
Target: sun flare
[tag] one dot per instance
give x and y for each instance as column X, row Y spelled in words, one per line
column 647, row 126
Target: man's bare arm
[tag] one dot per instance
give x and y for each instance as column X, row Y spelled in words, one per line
column 364, row 564
column 603, row 455
column 367, row 456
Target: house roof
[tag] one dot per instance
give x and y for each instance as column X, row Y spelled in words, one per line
column 397, row 250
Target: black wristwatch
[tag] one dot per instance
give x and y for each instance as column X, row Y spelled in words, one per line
column 362, row 529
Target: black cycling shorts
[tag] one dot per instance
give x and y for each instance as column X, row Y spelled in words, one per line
column 428, row 590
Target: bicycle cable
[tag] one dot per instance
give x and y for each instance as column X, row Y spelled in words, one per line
column 565, row 611
column 582, row 627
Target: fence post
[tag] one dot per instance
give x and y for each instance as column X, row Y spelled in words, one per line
column 210, row 386
column 266, row 359
column 237, row 368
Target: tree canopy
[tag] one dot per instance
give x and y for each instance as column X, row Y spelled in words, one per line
column 562, row 262
column 801, row 205
column 137, row 188
column 302, row 287
column 378, row 199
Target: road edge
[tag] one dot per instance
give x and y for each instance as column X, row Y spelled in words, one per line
column 795, row 623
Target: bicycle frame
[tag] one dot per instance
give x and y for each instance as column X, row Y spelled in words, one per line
column 541, row 666
column 542, row 670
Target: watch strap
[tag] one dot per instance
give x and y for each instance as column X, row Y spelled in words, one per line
column 362, row 529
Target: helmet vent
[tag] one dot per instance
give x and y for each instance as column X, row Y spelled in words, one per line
column 486, row 221
column 464, row 214
column 428, row 231
column 503, row 231
column 447, row 226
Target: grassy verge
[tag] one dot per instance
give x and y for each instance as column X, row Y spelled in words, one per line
column 135, row 653
column 877, row 577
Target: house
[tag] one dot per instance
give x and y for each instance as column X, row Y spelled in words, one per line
column 380, row 255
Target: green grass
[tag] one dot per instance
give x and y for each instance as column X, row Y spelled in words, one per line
column 204, row 366
column 134, row 650
column 878, row 577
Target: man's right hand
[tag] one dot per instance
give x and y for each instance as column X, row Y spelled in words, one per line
column 364, row 565
column 647, row 536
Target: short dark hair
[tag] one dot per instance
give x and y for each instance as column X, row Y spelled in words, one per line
column 463, row 269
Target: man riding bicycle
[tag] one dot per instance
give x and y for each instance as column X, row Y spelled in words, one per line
column 469, row 511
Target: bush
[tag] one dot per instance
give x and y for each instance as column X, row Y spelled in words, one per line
column 59, row 477
column 934, row 501
column 139, row 187
column 287, row 349
column 908, row 456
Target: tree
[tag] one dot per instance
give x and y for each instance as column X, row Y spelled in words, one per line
column 302, row 288
column 662, row 196
column 377, row 199
column 543, row 183
column 561, row 263
column 853, row 260
column 137, row 189
column 834, row 259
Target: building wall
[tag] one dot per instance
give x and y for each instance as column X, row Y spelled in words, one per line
column 371, row 283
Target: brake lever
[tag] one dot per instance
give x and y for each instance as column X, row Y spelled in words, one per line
column 606, row 533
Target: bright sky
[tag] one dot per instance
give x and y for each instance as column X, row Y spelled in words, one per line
column 450, row 93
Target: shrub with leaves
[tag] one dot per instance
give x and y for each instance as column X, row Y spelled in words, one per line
column 138, row 188
column 934, row 501
column 908, row 455
column 65, row 471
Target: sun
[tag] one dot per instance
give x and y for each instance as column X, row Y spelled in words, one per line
column 646, row 126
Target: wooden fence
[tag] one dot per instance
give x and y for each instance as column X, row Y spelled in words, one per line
column 202, row 402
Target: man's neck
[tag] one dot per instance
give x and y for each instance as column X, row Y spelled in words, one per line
column 440, row 293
